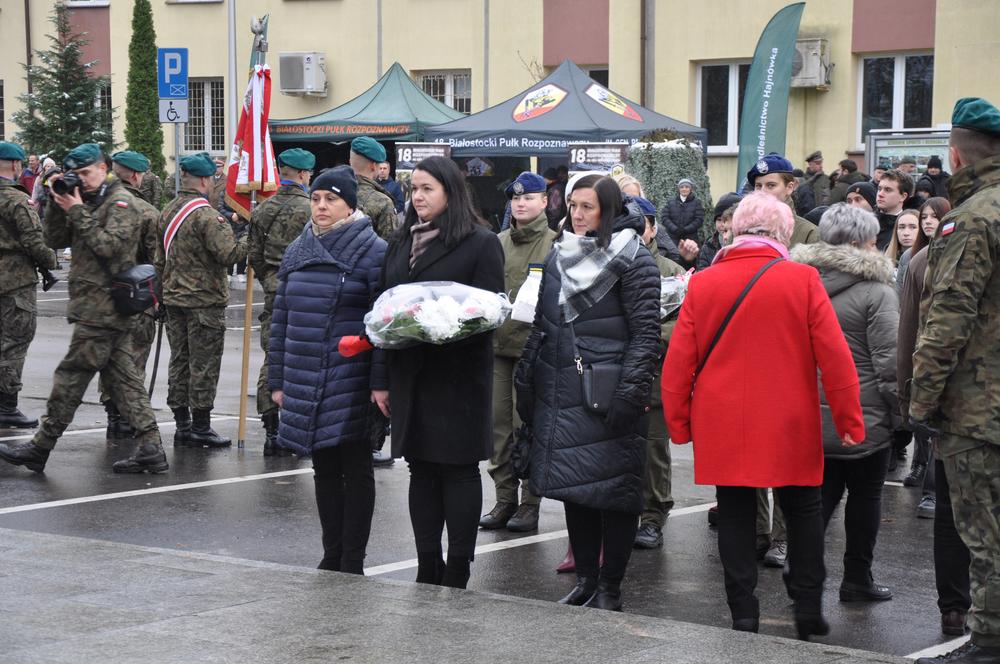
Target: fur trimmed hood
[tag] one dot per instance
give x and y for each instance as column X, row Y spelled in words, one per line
column 842, row 265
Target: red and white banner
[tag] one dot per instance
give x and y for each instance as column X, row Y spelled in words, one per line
column 252, row 166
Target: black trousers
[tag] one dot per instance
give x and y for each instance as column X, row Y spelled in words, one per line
column 445, row 494
column 802, row 506
column 588, row 529
column 345, row 497
column 951, row 556
column 863, row 480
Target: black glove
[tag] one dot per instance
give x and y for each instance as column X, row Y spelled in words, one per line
column 622, row 415
column 924, row 428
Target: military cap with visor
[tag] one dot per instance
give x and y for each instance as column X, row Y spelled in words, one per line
column 11, row 152
column 199, row 165
column 82, row 155
column 132, row 160
column 298, row 158
column 815, row 156
column 526, row 183
column 368, row 148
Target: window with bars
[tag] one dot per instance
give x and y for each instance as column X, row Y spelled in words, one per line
column 2, row 118
column 896, row 92
column 719, row 103
column 452, row 87
column 205, row 130
column 105, row 105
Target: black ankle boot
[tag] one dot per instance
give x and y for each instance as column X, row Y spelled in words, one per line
column 25, row 454
column 582, row 591
column 810, row 624
column 148, row 457
column 430, row 568
column 456, row 572
column 202, row 434
column 10, row 416
column 271, row 447
column 182, row 432
column 608, row 596
column 118, row 428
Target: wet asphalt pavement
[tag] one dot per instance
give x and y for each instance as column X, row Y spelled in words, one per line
column 239, row 504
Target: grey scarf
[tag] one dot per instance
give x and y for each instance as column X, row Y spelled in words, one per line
column 588, row 271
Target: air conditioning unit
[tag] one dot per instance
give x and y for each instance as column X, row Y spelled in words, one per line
column 811, row 66
column 302, row 73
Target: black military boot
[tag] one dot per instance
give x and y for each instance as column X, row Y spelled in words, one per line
column 26, row 454
column 118, row 428
column 202, row 434
column 182, row 432
column 271, row 446
column 148, row 457
column 10, row 416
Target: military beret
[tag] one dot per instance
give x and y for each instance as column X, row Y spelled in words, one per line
column 135, row 161
column 368, row 148
column 977, row 114
column 771, row 163
column 526, row 183
column 200, row 165
column 11, row 152
column 647, row 208
column 815, row 156
column 82, row 155
column 341, row 181
column 298, row 158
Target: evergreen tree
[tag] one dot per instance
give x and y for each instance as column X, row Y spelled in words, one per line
column 62, row 109
column 143, row 131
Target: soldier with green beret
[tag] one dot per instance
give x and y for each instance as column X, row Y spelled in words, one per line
column 100, row 221
column 195, row 247
column 274, row 224
column 22, row 249
column 373, row 199
column 955, row 392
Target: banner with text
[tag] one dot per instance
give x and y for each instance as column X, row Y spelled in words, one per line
column 409, row 155
column 597, row 157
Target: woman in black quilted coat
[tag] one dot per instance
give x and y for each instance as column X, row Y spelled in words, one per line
column 683, row 214
column 598, row 305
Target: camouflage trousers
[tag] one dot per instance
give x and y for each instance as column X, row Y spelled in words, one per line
column 973, row 474
column 505, row 422
column 143, row 334
column 656, row 489
column 92, row 350
column 264, row 402
column 197, row 336
column 17, row 329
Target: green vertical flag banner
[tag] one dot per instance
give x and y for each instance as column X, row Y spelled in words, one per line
column 765, row 101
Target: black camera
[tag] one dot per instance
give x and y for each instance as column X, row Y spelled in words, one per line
column 67, row 183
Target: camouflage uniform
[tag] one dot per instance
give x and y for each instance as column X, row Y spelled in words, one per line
column 376, row 202
column 196, row 292
column 151, row 189
column 955, row 376
column 22, row 247
column 103, row 236
column 275, row 223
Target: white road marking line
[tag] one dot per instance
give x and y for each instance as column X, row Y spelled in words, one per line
column 939, row 649
column 54, row 299
column 892, row 483
column 242, row 304
column 80, row 432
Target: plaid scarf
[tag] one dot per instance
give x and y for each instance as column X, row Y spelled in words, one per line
column 588, row 271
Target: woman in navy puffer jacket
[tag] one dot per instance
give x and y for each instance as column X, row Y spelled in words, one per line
column 327, row 278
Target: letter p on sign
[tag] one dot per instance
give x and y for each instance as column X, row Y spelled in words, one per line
column 172, row 73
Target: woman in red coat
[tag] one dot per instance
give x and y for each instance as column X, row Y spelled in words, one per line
column 754, row 416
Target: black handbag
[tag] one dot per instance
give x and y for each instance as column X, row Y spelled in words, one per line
column 598, row 381
column 520, row 451
column 134, row 290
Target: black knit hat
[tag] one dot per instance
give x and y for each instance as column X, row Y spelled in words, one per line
column 341, row 181
column 867, row 191
column 724, row 203
column 934, row 162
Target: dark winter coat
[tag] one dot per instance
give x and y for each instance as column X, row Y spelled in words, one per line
column 666, row 246
column 441, row 396
column 939, row 182
column 838, row 194
column 861, row 287
column 326, row 286
column 574, row 457
column 682, row 219
column 708, row 251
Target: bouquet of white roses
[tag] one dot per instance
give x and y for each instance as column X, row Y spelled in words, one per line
column 436, row 312
column 672, row 292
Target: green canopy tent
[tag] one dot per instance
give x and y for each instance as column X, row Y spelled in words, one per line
column 394, row 109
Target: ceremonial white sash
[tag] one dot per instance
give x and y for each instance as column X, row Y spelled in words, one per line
column 180, row 218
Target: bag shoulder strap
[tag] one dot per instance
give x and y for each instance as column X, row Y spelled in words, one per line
column 732, row 311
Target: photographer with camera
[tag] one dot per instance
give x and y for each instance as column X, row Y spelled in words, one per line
column 95, row 216
column 22, row 249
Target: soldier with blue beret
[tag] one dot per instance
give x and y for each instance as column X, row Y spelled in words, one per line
column 526, row 183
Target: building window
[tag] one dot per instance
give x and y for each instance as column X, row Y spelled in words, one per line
column 451, row 88
column 205, row 130
column 2, row 119
column 104, row 104
column 896, row 92
column 719, row 102
column 598, row 74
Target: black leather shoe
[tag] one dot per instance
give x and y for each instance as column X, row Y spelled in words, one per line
column 498, row 516
column 807, row 626
column 202, row 434
column 916, row 476
column 953, row 622
column 856, row 592
column 746, row 624
column 525, row 519
column 648, row 537
column 27, row 454
column 148, row 458
column 713, row 516
column 608, row 596
column 969, row 653
column 583, row 590
column 11, row 417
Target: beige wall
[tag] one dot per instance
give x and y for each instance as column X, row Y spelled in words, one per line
column 968, row 38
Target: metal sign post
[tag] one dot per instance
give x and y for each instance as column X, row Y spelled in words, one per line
column 172, row 89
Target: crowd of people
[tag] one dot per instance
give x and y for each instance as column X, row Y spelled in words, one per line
column 807, row 353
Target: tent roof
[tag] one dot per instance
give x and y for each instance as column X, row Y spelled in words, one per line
column 392, row 109
column 566, row 106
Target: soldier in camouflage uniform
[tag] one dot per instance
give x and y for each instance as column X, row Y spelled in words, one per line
column 22, row 248
column 373, row 200
column 101, row 224
column 150, row 189
column 274, row 224
column 131, row 167
column 195, row 248
column 955, row 393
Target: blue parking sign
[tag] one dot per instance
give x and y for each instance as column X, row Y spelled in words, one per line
column 172, row 73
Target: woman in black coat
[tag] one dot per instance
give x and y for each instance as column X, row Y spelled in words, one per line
column 683, row 214
column 441, row 396
column 598, row 310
